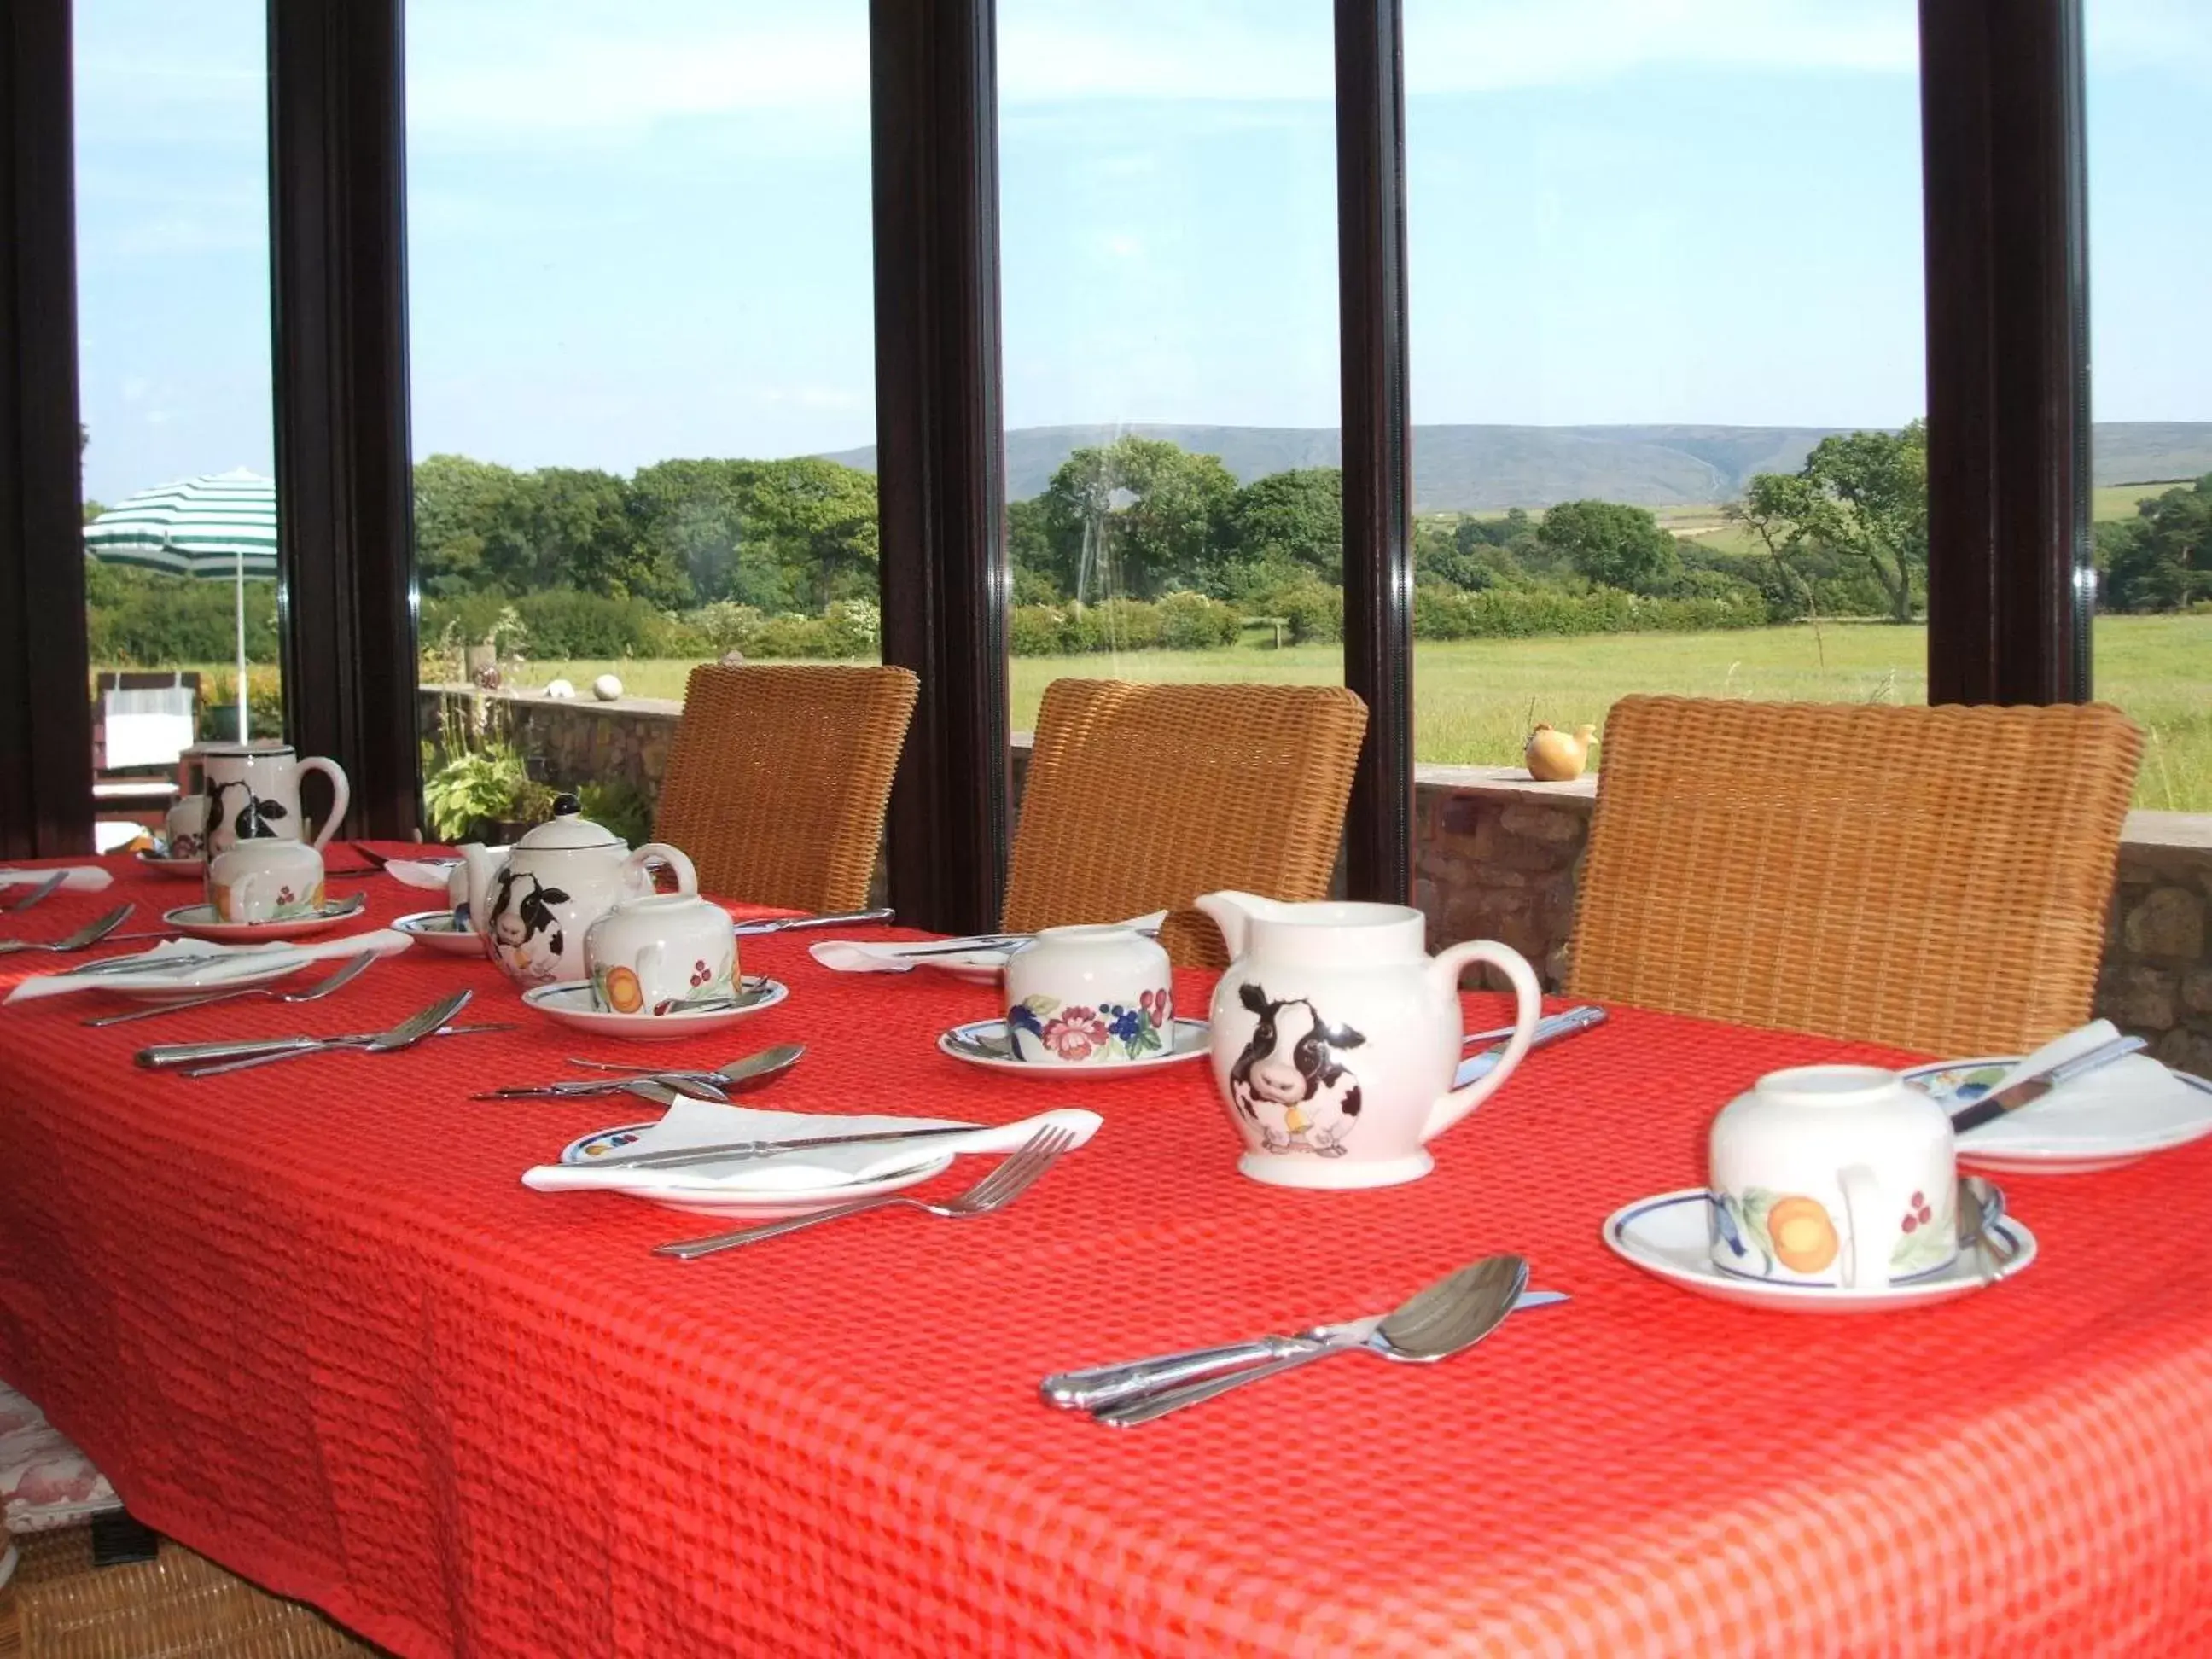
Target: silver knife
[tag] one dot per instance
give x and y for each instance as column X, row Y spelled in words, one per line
column 163, row 1055
column 1549, row 1029
column 793, row 924
column 144, row 964
column 2033, row 1088
column 1105, row 1385
column 736, row 1152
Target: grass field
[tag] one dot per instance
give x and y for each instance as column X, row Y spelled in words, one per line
column 1476, row 699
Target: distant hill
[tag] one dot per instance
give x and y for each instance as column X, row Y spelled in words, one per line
column 1479, row 468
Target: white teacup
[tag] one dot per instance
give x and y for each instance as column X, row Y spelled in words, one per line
column 645, row 956
column 1833, row 1174
column 184, row 828
column 265, row 881
column 1089, row 996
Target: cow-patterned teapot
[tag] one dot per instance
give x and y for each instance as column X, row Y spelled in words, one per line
column 1335, row 1038
column 530, row 902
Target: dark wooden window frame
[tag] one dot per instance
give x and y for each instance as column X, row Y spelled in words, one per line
column 338, row 201
column 2010, row 592
column 46, row 705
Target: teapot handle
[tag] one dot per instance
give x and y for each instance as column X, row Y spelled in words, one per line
column 687, row 879
column 1528, row 1008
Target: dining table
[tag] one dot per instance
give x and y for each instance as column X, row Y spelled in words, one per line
column 311, row 1323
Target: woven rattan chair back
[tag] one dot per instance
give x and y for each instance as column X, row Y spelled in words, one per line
column 1931, row 878
column 1141, row 798
column 778, row 778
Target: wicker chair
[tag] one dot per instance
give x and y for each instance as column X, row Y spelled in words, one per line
column 778, row 778
column 1141, row 797
column 1932, row 879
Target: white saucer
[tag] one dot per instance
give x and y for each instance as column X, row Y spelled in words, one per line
column 1192, row 1037
column 1669, row 1236
column 436, row 930
column 572, row 1005
column 681, row 1189
column 2110, row 1117
column 183, row 869
column 200, row 921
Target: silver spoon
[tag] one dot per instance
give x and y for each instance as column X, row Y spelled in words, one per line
column 79, row 940
column 1452, row 1314
column 1981, row 1206
column 353, row 970
column 736, row 1077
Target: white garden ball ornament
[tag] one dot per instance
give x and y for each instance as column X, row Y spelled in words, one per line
column 606, row 687
column 559, row 688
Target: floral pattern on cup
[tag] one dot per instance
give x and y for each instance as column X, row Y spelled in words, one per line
column 1795, row 1232
column 621, row 991
column 1112, row 1032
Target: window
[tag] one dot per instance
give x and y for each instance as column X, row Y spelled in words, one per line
column 2149, row 129
column 173, row 271
column 1168, row 193
column 1667, row 359
column 640, row 316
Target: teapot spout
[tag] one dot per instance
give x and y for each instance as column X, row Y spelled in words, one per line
column 483, row 864
column 1234, row 913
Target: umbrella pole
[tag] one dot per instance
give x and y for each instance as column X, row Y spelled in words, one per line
column 238, row 566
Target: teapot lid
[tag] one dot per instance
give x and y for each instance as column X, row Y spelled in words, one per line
column 565, row 829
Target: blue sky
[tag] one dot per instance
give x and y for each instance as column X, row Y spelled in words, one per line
column 642, row 230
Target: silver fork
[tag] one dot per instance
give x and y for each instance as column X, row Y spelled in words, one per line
column 994, row 1191
column 78, row 940
column 42, row 891
column 354, row 967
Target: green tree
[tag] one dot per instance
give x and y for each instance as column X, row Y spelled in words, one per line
column 1861, row 498
column 2161, row 559
column 456, row 501
column 1293, row 520
column 1612, row 545
column 1133, row 517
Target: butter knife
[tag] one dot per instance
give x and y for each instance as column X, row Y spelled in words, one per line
column 162, row 1056
column 1549, row 1029
column 736, row 1152
column 2033, row 1088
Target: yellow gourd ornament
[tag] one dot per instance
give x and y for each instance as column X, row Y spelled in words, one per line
column 1555, row 756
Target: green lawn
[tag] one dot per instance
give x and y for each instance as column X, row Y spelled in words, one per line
column 1476, row 699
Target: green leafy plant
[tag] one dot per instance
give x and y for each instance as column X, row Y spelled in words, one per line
column 475, row 783
column 619, row 808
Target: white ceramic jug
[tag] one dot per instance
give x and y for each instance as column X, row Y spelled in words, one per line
column 253, row 793
column 532, row 902
column 1335, row 1038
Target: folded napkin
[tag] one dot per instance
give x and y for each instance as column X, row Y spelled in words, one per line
column 2134, row 1099
column 428, row 873
column 851, row 956
column 227, row 962
column 76, row 878
column 703, row 1123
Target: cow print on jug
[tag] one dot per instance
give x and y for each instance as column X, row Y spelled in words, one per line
column 1288, row 1083
column 524, row 928
column 254, row 815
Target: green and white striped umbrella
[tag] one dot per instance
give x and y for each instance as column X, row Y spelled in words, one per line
column 206, row 526
column 223, row 526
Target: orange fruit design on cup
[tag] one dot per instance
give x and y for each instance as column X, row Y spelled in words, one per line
column 624, row 994
column 1804, row 1238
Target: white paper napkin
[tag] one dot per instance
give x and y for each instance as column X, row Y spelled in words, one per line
column 2134, row 1102
column 852, row 956
column 703, row 1123
column 228, row 961
column 427, row 873
column 76, row 878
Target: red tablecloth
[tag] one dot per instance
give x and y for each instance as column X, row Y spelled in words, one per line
column 311, row 1324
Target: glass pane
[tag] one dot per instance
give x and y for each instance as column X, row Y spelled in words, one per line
column 2150, row 130
column 173, row 297
column 1666, row 286
column 641, row 313
column 1168, row 218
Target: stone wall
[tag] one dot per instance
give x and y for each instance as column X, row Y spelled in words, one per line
column 1495, row 856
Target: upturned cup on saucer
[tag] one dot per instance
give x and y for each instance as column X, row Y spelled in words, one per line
column 1833, row 1174
column 265, row 881
column 184, row 828
column 649, row 957
column 1089, row 996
